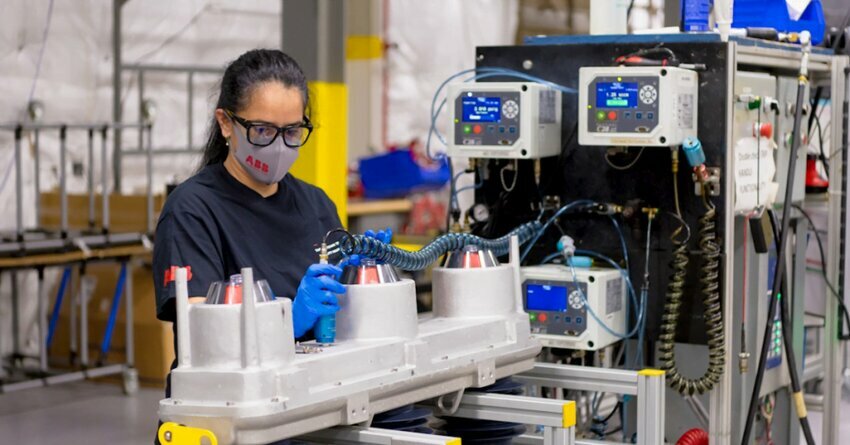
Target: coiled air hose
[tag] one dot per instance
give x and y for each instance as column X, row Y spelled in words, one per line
column 710, row 280
column 406, row 260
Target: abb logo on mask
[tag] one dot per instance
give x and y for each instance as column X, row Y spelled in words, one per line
column 258, row 164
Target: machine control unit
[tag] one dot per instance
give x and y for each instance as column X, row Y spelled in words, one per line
column 504, row 120
column 555, row 302
column 637, row 106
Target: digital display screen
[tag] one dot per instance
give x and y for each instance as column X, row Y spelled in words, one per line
column 543, row 297
column 616, row 95
column 481, row 109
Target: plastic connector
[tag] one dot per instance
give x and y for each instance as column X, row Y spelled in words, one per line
column 693, row 151
column 566, row 246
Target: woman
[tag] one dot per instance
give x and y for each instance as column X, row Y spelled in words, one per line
column 242, row 209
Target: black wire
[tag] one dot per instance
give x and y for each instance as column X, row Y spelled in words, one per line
column 822, row 156
column 778, row 270
column 841, row 305
column 787, row 335
column 610, row 415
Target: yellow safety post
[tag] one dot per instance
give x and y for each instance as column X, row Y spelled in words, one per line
column 323, row 161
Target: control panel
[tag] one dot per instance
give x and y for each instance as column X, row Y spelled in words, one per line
column 637, row 106
column 504, row 120
column 559, row 317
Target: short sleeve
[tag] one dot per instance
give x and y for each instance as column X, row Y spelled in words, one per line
column 184, row 240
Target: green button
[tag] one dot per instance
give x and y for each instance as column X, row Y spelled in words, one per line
column 777, row 349
column 532, row 316
column 467, row 129
column 600, row 115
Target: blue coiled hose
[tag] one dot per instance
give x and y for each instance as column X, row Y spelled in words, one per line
column 406, row 260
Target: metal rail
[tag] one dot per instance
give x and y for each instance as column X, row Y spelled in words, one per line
column 647, row 385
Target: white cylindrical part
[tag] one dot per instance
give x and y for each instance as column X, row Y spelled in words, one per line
column 723, row 17
column 182, row 296
column 373, row 311
column 250, row 355
column 483, row 292
column 609, row 17
column 217, row 342
column 516, row 261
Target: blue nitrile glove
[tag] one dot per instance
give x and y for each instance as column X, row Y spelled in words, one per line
column 385, row 236
column 315, row 296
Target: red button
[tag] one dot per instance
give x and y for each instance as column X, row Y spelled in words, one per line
column 612, row 115
column 476, row 129
column 542, row 318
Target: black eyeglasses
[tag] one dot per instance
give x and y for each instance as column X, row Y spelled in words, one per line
column 262, row 134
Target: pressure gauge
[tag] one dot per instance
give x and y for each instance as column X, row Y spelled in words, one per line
column 480, row 213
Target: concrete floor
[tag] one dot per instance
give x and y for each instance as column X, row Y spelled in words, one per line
column 78, row 413
column 91, row 413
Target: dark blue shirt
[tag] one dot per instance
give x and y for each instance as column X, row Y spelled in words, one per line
column 215, row 225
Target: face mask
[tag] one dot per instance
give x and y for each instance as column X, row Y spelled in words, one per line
column 267, row 164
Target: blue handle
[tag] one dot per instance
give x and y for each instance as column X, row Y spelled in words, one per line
column 113, row 312
column 54, row 317
column 325, row 329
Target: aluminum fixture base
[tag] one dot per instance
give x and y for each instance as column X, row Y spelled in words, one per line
column 240, row 377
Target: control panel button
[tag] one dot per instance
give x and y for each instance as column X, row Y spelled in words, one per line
column 578, row 320
column 467, row 129
column 542, row 318
column 491, row 128
column 568, row 319
column 501, row 129
column 476, row 129
column 612, row 115
column 532, row 316
column 648, row 94
column 638, row 115
column 600, row 115
column 510, row 109
column 627, row 114
column 650, row 115
column 512, row 130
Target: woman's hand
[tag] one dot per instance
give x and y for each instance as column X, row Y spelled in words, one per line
column 316, row 296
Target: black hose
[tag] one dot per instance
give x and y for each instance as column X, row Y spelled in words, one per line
column 788, row 341
column 779, row 270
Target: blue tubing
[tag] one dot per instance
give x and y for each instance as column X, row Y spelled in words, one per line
column 113, row 311
column 54, row 317
column 421, row 259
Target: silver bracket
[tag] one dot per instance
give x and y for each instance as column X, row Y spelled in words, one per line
column 357, row 409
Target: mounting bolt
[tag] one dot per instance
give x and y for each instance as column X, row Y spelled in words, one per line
column 167, row 436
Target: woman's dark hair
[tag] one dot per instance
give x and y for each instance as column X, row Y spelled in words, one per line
column 251, row 69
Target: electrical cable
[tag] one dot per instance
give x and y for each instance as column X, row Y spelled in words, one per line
column 627, row 166
column 841, row 306
column 787, row 338
column 640, row 308
column 822, row 156
column 779, row 268
column 552, row 219
column 502, row 176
